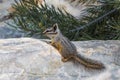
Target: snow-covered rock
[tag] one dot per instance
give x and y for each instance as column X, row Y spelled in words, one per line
column 33, row 59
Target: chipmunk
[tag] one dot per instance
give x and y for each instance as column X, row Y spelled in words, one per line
column 68, row 50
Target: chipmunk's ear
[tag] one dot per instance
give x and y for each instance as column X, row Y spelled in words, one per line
column 55, row 26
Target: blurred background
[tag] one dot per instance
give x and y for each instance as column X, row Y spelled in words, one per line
column 84, row 19
column 5, row 30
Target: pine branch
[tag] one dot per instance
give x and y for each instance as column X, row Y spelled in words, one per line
column 84, row 1
column 30, row 18
column 96, row 25
column 96, row 20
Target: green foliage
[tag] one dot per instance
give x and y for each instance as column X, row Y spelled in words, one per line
column 102, row 21
column 33, row 19
column 99, row 18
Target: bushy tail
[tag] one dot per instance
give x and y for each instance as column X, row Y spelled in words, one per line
column 89, row 63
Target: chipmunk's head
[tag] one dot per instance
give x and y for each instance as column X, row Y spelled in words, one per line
column 52, row 32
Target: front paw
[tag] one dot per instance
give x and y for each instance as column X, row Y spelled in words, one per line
column 47, row 41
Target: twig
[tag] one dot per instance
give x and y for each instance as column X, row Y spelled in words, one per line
column 106, row 14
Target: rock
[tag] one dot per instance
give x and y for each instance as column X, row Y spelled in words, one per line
column 33, row 59
column 5, row 30
column 4, row 5
column 1, row 1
